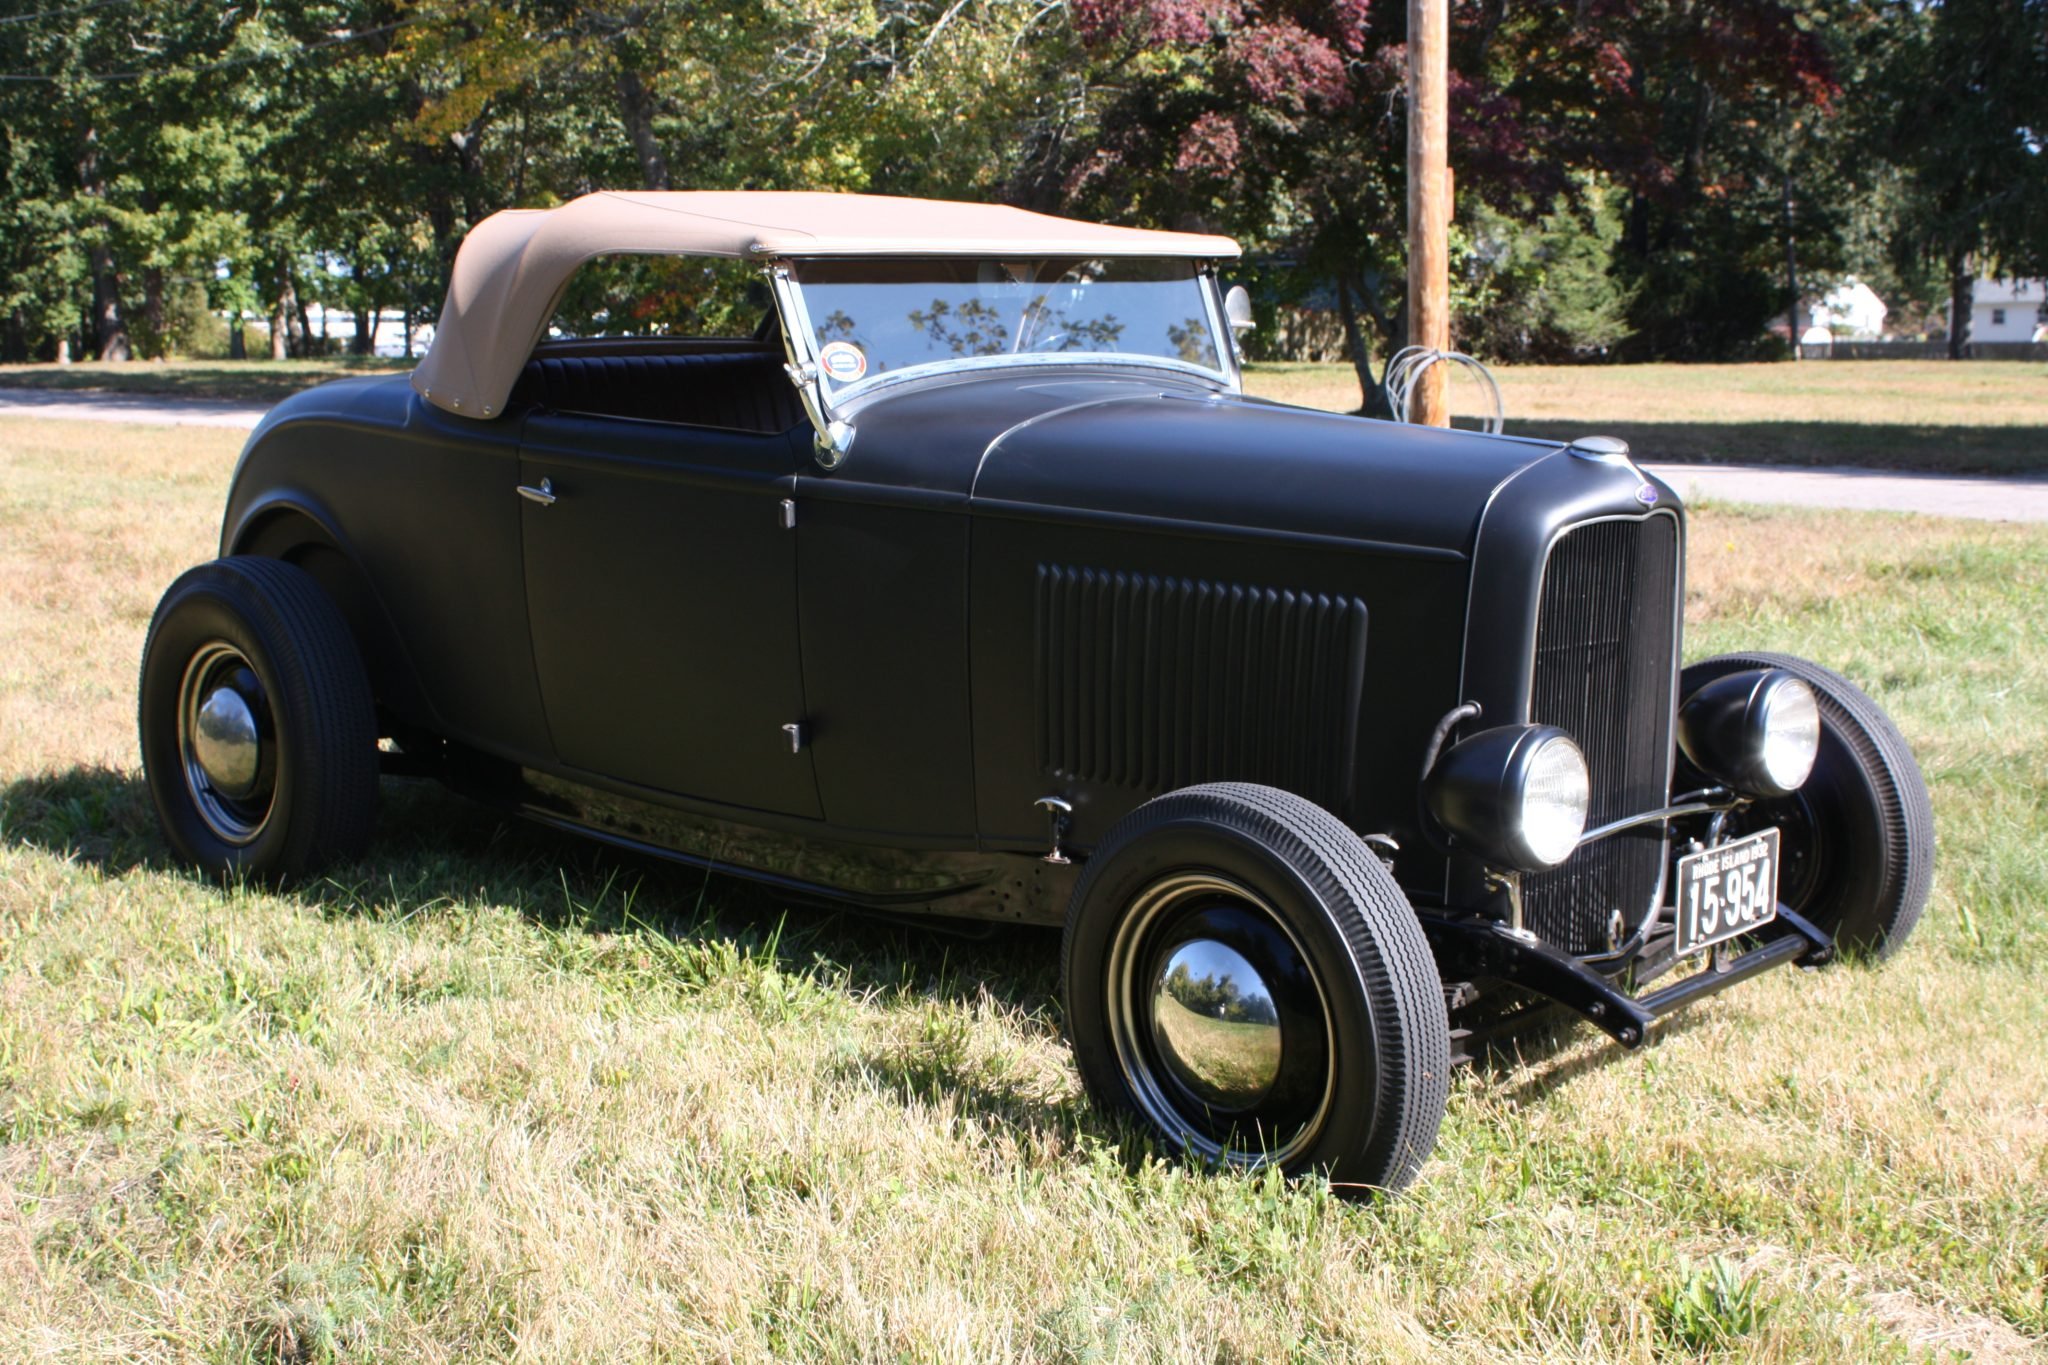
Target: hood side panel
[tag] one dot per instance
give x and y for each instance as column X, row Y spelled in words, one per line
column 1111, row 664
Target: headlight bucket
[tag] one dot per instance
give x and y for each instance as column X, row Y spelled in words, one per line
column 1757, row 731
column 1518, row 794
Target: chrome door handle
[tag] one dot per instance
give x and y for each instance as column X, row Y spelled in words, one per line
column 544, row 495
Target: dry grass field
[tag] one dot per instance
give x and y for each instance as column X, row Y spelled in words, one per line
column 1977, row 416
column 490, row 1094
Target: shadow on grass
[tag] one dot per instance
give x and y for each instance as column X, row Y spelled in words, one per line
column 435, row 850
column 1551, row 1048
column 1872, row 445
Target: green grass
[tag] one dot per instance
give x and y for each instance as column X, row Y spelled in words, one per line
column 1975, row 417
column 494, row 1094
column 1235, row 1056
column 244, row 381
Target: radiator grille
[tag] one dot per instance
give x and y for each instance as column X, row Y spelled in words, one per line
column 1606, row 644
column 1155, row 683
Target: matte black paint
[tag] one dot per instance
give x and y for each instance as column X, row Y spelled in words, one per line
column 637, row 646
column 422, row 504
column 661, row 591
column 1158, row 683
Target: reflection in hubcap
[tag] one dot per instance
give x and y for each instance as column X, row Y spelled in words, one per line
column 1218, row 1021
column 1217, row 1029
column 226, row 743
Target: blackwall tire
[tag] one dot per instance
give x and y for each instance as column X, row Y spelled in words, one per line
column 1859, row 836
column 1347, row 1071
column 259, row 737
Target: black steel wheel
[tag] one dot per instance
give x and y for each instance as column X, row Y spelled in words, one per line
column 1243, row 975
column 1858, row 838
column 258, row 731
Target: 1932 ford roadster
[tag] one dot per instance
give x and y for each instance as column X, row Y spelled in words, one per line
column 971, row 584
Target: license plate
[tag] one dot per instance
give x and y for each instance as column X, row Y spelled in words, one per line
column 1726, row 892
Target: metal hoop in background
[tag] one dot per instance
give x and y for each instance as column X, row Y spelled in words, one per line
column 1407, row 367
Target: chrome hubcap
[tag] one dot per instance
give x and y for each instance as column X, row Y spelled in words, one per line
column 227, row 743
column 1219, row 1023
column 1215, row 1025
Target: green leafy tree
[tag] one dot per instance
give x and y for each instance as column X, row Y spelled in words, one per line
column 337, row 151
column 1969, row 144
column 1544, row 291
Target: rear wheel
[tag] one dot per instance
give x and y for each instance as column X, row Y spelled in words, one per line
column 1245, row 977
column 257, row 727
column 1858, row 837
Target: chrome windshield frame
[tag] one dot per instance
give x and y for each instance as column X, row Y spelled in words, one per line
column 827, row 404
column 1219, row 326
column 860, row 392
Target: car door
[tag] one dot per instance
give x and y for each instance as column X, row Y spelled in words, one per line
column 661, row 594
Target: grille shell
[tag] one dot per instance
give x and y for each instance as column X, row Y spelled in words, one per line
column 1606, row 659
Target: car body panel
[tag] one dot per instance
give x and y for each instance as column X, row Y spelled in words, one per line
column 1226, row 466
column 894, row 622
column 661, row 586
column 883, row 602
column 1306, row 591
column 423, row 504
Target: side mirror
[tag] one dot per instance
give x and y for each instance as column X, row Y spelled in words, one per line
column 1237, row 309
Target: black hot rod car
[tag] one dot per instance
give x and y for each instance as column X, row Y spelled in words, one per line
column 971, row 584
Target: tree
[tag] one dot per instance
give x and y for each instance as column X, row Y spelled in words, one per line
column 1970, row 143
column 1283, row 123
column 1542, row 292
column 338, row 150
column 1712, row 119
column 1280, row 125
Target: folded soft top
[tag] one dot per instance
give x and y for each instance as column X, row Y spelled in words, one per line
column 513, row 266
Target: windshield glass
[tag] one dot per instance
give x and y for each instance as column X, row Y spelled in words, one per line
column 875, row 317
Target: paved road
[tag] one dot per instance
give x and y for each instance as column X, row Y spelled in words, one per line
column 128, row 407
column 2020, row 498
column 2016, row 498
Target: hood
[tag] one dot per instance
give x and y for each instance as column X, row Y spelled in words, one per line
column 1247, row 466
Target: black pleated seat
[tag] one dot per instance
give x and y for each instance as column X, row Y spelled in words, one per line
column 740, row 391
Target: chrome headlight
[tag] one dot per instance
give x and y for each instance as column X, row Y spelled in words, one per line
column 1757, row 731
column 1556, row 793
column 1518, row 794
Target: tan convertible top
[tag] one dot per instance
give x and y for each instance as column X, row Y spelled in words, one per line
column 513, row 266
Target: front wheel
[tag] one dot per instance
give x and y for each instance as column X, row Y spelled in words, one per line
column 1245, row 977
column 259, row 735
column 1858, row 837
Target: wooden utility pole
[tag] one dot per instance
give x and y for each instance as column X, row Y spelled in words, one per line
column 1429, row 198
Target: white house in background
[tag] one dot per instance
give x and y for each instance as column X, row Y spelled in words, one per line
column 1848, row 310
column 2008, row 310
